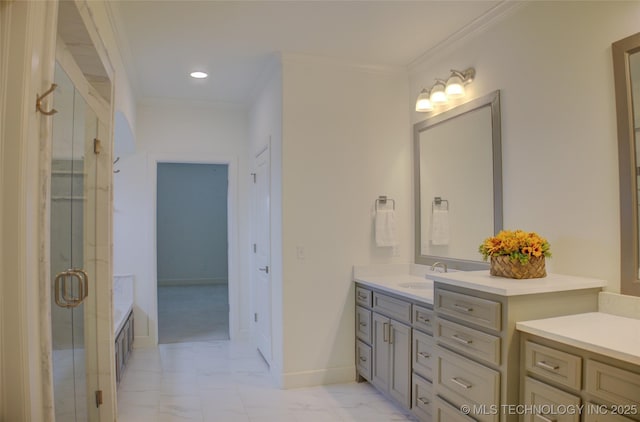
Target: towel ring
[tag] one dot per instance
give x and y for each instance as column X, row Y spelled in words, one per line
column 438, row 202
column 382, row 200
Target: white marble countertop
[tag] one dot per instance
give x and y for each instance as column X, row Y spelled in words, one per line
column 482, row 281
column 611, row 335
column 402, row 279
column 392, row 277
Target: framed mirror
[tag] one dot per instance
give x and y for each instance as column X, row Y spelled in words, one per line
column 458, row 183
column 626, row 72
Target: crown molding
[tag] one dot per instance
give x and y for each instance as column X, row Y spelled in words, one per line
column 477, row 26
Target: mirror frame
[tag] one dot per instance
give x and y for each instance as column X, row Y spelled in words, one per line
column 493, row 101
column 621, row 50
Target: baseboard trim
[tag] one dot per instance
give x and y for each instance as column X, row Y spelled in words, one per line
column 143, row 342
column 192, row 282
column 316, row 377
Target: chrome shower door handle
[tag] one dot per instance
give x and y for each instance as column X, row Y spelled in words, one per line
column 63, row 288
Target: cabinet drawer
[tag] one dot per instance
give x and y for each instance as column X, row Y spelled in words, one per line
column 458, row 337
column 422, row 354
column 469, row 381
column 543, row 397
column 392, row 307
column 422, row 398
column 602, row 413
column 363, row 296
column 363, row 363
column 616, row 385
column 444, row 412
column 423, row 318
column 482, row 312
column 363, row 324
column 553, row 365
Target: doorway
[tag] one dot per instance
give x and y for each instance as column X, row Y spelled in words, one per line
column 192, row 252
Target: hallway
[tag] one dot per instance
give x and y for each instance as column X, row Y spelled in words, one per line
column 226, row 381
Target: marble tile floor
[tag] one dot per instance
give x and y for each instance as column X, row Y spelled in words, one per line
column 226, row 381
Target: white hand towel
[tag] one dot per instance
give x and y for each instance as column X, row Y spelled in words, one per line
column 386, row 228
column 440, row 227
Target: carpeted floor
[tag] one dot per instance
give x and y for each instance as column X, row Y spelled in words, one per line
column 193, row 313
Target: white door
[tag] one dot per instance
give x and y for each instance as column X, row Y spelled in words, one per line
column 261, row 253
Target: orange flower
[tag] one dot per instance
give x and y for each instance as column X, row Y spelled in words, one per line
column 517, row 244
column 537, row 251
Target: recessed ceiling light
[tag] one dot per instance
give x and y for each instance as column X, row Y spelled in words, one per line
column 198, row 75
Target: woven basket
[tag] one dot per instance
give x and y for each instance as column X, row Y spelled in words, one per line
column 503, row 266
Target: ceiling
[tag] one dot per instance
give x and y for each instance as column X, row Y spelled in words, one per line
column 234, row 41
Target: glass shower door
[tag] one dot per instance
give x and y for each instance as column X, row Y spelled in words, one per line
column 72, row 274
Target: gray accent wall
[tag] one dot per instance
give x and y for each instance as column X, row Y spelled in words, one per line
column 192, row 223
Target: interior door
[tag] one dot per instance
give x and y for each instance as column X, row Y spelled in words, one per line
column 261, row 271
column 73, row 275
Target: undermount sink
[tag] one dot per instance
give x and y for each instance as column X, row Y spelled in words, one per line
column 416, row 285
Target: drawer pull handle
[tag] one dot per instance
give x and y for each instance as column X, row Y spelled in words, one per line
column 385, row 332
column 462, row 308
column 544, row 418
column 363, row 324
column 362, row 296
column 544, row 365
column 461, row 340
column 461, row 383
column 363, row 359
column 424, row 355
column 422, row 401
column 424, row 319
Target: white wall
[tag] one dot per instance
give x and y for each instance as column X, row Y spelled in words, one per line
column 346, row 140
column 173, row 131
column 552, row 63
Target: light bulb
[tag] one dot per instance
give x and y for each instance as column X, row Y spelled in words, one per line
column 438, row 96
column 455, row 86
column 198, row 75
column 423, row 103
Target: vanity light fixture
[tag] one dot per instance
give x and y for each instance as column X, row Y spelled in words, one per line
column 457, row 81
column 442, row 91
column 198, row 75
column 423, row 103
column 438, row 96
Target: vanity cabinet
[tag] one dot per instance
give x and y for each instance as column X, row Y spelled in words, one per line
column 456, row 343
column 392, row 358
column 391, row 347
column 422, row 362
column 364, row 350
column 477, row 352
column 561, row 376
column 394, row 348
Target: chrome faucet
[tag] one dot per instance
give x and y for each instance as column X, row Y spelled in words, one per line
column 439, row 264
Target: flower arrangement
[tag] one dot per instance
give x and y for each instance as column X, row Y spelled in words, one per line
column 518, row 245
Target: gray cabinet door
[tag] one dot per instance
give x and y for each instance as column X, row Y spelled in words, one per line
column 380, row 344
column 400, row 362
